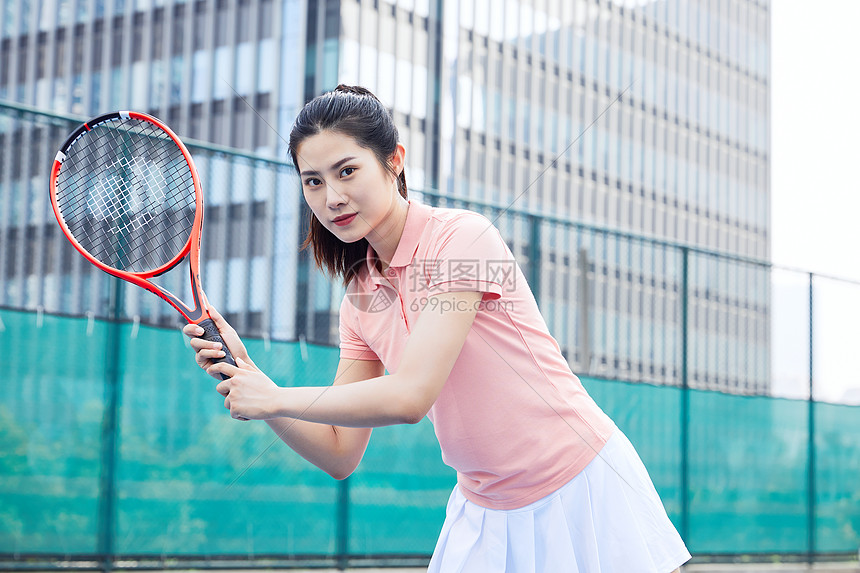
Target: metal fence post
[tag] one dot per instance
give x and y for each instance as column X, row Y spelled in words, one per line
column 534, row 255
column 584, row 301
column 685, row 395
column 110, row 428
column 342, row 524
column 810, row 463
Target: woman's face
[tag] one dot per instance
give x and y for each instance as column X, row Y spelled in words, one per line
column 347, row 189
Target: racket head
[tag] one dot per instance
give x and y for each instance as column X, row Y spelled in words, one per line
column 127, row 195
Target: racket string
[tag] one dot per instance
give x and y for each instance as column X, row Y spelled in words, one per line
column 127, row 195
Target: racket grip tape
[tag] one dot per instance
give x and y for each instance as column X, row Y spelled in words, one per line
column 212, row 334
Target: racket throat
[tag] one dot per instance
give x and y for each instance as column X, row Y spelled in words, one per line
column 192, row 315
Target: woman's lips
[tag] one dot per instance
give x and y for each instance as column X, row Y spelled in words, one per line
column 344, row 220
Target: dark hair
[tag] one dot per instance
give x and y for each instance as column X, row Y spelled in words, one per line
column 356, row 112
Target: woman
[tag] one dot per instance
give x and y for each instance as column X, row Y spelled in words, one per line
column 546, row 482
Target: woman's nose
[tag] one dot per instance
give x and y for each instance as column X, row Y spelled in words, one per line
column 334, row 197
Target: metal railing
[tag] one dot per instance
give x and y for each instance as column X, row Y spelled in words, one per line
column 766, row 465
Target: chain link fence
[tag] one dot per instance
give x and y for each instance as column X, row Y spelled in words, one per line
column 115, row 447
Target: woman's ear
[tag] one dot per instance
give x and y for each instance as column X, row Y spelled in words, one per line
column 398, row 159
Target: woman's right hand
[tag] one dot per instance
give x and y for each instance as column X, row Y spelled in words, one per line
column 205, row 352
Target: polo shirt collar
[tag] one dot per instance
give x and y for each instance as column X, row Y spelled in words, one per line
column 416, row 220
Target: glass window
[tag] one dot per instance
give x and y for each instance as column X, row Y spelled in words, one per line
column 200, row 28
column 467, row 15
column 178, row 32
column 497, row 23
column 482, row 17
column 540, row 115
column 220, row 89
column 540, row 30
column 405, row 85
column 218, row 129
column 683, row 97
column 479, row 108
column 95, row 90
column 512, row 11
column 526, row 25
column 419, row 91
column 592, row 57
column 525, row 115
column 244, row 27
column 266, row 19
column 386, row 78
column 177, row 71
column 350, row 53
column 464, row 101
column 367, row 73
column 422, row 7
column 349, row 21
column 494, row 126
column 554, row 32
column 221, row 24
column 648, row 154
column 139, row 82
column 367, row 30
column 117, row 91
column 266, row 62
column 64, row 12
column 387, row 33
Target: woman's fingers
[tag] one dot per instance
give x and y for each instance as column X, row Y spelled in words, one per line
column 192, row 330
column 198, row 344
column 205, row 349
column 205, row 352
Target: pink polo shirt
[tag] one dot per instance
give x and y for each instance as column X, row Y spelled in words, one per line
column 512, row 418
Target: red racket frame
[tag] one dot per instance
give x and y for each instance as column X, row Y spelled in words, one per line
column 200, row 311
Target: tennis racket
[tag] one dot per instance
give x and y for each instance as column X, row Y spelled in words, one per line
column 126, row 194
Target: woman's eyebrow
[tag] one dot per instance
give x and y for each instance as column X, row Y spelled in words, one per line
column 333, row 167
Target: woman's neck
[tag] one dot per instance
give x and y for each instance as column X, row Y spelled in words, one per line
column 386, row 237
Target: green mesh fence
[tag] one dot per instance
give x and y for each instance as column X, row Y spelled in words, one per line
column 190, row 481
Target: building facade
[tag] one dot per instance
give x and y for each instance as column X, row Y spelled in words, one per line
column 646, row 119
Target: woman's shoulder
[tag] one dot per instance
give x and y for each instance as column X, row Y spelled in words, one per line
column 452, row 218
column 462, row 233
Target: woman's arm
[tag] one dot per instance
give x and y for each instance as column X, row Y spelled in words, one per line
column 403, row 397
column 337, row 451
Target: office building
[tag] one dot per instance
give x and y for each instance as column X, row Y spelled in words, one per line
column 646, row 117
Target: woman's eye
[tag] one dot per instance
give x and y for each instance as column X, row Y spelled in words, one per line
column 312, row 182
column 347, row 171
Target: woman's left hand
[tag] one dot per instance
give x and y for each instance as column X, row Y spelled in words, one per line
column 248, row 393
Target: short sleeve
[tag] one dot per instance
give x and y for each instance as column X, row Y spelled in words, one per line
column 352, row 345
column 470, row 255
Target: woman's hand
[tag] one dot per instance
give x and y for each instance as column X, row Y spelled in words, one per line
column 248, row 393
column 207, row 352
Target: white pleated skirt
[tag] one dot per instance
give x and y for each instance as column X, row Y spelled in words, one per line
column 608, row 519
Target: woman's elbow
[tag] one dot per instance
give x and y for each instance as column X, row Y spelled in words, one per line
column 344, row 457
column 340, row 474
column 412, row 410
column 341, row 469
column 413, row 417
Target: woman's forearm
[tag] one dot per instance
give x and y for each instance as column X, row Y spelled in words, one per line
column 330, row 426
column 382, row 401
column 336, row 451
column 404, row 397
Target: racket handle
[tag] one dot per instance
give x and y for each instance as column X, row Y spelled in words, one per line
column 212, row 334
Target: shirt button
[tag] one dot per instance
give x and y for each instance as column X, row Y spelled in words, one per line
column 391, row 272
